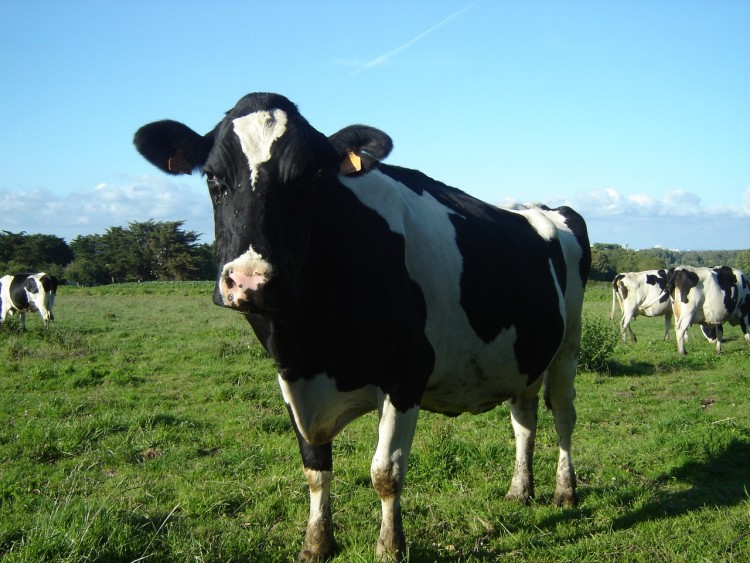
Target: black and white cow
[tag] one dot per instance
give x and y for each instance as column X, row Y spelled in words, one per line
column 633, row 290
column 374, row 287
column 709, row 297
column 28, row 292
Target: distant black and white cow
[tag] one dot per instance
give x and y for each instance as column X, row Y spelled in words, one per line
column 709, row 297
column 28, row 292
column 374, row 287
column 633, row 290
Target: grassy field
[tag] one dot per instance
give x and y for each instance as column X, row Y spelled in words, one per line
column 146, row 425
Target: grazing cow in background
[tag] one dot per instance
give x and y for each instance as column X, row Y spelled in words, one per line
column 710, row 297
column 374, row 287
column 28, row 292
column 634, row 289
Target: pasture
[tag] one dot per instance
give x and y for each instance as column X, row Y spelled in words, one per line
column 147, row 425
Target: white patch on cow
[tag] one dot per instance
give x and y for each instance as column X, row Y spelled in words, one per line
column 434, row 262
column 320, row 410
column 539, row 219
column 246, row 272
column 257, row 132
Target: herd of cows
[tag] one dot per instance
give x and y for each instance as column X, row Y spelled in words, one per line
column 709, row 297
column 377, row 288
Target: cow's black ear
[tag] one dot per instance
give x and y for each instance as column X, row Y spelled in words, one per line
column 172, row 146
column 360, row 148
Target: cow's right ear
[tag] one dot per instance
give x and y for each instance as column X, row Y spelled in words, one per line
column 172, row 146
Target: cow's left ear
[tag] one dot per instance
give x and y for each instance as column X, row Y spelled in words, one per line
column 360, row 148
column 172, row 146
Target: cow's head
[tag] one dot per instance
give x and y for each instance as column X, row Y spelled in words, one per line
column 263, row 164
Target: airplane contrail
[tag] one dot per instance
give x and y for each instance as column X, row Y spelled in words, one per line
column 392, row 53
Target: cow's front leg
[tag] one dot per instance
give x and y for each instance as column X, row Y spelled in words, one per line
column 317, row 462
column 319, row 540
column 389, row 464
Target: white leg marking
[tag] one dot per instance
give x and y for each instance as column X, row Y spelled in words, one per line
column 319, row 539
column 389, row 464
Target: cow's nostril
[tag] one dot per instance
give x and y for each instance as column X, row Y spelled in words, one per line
column 229, row 281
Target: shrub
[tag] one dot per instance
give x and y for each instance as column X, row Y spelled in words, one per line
column 598, row 340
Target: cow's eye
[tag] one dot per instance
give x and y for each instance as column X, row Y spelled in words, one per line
column 217, row 186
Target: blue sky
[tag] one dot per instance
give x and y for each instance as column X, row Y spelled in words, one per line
column 635, row 113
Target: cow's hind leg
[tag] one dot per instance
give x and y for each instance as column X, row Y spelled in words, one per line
column 667, row 324
column 389, row 464
column 523, row 414
column 317, row 464
column 625, row 328
column 559, row 394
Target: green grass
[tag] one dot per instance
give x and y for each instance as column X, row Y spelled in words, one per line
column 147, row 425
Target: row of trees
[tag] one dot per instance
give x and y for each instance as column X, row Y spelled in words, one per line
column 610, row 259
column 142, row 251
column 165, row 251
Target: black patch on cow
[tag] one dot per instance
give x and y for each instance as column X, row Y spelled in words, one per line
column 744, row 304
column 661, row 279
column 319, row 458
column 728, row 283
column 360, row 318
column 622, row 289
column 494, row 300
column 685, row 280
column 500, row 249
column 709, row 331
column 17, row 290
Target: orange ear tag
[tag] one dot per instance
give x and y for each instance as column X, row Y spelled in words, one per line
column 351, row 164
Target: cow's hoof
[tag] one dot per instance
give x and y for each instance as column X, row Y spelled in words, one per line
column 314, row 552
column 524, row 499
column 390, row 555
column 565, row 499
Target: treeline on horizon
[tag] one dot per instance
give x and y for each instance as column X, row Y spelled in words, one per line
column 164, row 251
column 142, row 251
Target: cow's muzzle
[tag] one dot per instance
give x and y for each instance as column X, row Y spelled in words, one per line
column 241, row 281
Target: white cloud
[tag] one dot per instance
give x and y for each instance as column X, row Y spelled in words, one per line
column 675, row 219
column 107, row 205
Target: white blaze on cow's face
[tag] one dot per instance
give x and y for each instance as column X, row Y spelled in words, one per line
column 242, row 276
column 257, row 133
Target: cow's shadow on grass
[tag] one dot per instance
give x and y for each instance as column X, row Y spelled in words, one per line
column 634, row 367
column 722, row 480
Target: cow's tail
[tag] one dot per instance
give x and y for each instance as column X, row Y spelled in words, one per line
column 615, row 296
